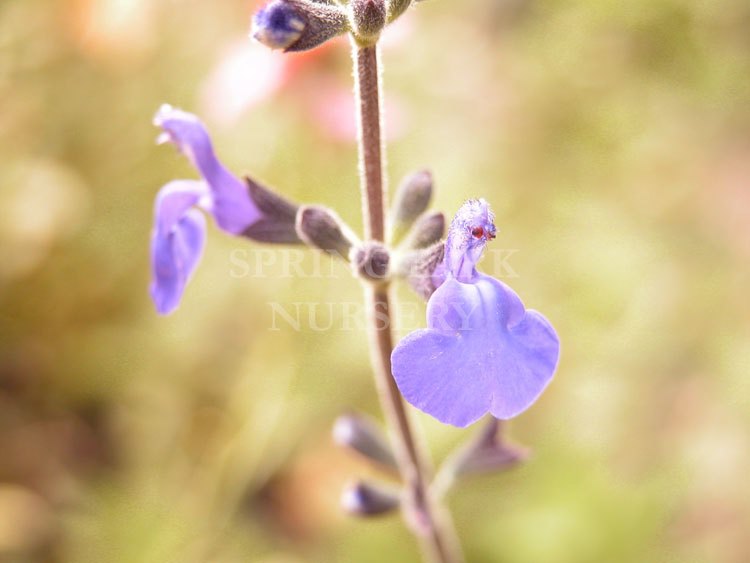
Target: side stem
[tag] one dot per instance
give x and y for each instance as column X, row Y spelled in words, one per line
column 428, row 520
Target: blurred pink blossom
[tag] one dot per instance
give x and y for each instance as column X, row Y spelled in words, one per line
column 246, row 74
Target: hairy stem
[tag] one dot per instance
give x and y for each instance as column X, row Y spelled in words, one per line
column 367, row 91
column 426, row 518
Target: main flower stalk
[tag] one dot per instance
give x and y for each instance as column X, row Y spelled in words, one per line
column 428, row 520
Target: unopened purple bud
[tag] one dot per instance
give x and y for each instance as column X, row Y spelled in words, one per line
column 428, row 229
column 363, row 435
column 411, row 199
column 278, row 25
column 363, row 498
column 322, row 228
column 298, row 25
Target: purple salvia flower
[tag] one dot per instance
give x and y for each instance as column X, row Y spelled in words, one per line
column 179, row 232
column 482, row 351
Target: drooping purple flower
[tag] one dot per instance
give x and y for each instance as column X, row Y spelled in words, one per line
column 483, row 351
column 179, row 231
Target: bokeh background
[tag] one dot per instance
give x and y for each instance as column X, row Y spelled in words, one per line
column 612, row 139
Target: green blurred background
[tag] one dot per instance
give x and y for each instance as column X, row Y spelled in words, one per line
column 612, row 139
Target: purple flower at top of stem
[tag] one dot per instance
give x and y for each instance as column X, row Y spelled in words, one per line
column 483, row 351
column 179, row 232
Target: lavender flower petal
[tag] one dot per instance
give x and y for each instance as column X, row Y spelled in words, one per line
column 468, row 234
column 483, row 352
column 229, row 200
column 177, row 241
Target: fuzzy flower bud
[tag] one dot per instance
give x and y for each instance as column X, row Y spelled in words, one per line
column 411, row 199
column 428, row 229
column 360, row 434
column 298, row 25
column 321, row 228
column 367, row 20
column 368, row 499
